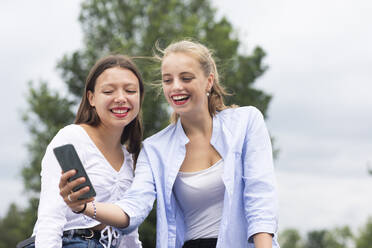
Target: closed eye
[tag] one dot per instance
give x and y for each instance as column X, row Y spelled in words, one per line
column 187, row 79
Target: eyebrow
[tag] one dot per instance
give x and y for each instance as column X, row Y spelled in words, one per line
column 125, row 84
column 182, row 73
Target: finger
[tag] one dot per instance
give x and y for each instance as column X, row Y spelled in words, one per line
column 65, row 176
column 73, row 184
column 74, row 196
column 72, row 199
column 65, row 190
column 69, row 186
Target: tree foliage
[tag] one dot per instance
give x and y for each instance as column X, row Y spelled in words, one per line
column 48, row 112
column 369, row 167
column 333, row 238
column 290, row 238
column 364, row 240
column 132, row 27
column 17, row 224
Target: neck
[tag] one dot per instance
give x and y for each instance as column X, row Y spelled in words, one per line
column 107, row 136
column 197, row 124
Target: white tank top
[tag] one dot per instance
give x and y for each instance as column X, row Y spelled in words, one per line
column 200, row 195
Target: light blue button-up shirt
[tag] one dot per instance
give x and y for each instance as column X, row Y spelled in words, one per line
column 250, row 203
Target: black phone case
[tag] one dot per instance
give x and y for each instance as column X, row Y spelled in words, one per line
column 68, row 159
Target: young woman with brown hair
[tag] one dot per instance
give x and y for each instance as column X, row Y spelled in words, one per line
column 107, row 136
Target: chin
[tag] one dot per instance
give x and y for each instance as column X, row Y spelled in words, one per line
column 183, row 113
column 120, row 124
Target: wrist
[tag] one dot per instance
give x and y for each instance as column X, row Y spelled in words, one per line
column 263, row 240
column 80, row 211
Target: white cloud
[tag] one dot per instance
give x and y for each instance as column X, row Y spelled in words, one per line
column 11, row 191
column 312, row 202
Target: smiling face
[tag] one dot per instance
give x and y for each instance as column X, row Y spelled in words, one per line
column 116, row 97
column 185, row 84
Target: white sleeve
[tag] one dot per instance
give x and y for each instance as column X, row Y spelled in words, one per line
column 130, row 240
column 52, row 209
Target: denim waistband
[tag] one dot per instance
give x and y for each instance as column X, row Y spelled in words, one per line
column 84, row 233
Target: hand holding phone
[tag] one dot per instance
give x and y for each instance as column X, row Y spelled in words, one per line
column 68, row 159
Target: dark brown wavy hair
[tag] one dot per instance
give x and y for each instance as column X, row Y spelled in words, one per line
column 133, row 132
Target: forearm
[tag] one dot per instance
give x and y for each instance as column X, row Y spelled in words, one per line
column 263, row 240
column 107, row 213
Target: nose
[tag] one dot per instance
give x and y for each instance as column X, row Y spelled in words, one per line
column 177, row 84
column 120, row 97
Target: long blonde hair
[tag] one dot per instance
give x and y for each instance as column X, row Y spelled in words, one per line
column 208, row 65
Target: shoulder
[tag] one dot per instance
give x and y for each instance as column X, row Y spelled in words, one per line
column 159, row 145
column 70, row 134
column 66, row 135
column 236, row 115
column 69, row 131
column 162, row 135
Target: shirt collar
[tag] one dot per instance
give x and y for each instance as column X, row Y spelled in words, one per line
column 180, row 133
column 220, row 135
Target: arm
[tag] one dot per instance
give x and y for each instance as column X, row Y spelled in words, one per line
column 263, row 240
column 260, row 197
column 107, row 213
column 131, row 210
column 52, row 210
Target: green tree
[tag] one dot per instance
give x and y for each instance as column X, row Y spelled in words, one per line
column 290, row 238
column 364, row 239
column 16, row 224
column 335, row 238
column 369, row 167
column 10, row 231
column 132, row 27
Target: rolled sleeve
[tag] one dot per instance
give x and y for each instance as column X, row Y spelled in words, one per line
column 260, row 196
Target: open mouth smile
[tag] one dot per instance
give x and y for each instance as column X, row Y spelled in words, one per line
column 180, row 99
column 120, row 112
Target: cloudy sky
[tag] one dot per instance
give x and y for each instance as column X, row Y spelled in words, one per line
column 320, row 59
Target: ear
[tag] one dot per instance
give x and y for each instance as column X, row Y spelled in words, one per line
column 90, row 97
column 210, row 81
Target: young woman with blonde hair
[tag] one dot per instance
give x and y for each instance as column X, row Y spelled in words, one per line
column 211, row 170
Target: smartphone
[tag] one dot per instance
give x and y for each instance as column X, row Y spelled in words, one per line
column 68, row 160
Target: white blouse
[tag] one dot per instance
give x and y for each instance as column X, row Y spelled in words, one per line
column 54, row 216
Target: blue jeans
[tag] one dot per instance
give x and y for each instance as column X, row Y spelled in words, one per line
column 77, row 242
